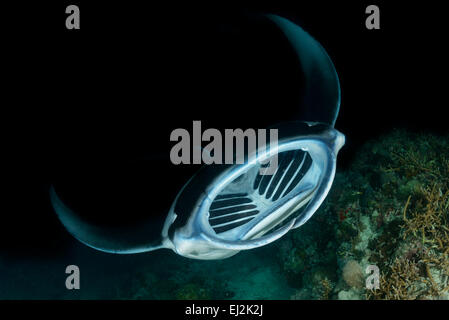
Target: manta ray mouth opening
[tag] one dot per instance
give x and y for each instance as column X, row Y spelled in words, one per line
column 254, row 204
column 242, row 209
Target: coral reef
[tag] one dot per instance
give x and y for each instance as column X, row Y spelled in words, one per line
column 326, row 289
column 192, row 291
column 422, row 269
column 353, row 275
column 389, row 209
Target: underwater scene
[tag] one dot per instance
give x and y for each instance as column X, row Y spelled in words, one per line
column 191, row 152
column 389, row 209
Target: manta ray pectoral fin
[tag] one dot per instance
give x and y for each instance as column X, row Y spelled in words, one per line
column 107, row 239
column 321, row 101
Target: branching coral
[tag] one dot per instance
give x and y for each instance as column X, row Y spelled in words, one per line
column 326, row 289
column 429, row 219
column 412, row 275
column 426, row 157
column 398, row 282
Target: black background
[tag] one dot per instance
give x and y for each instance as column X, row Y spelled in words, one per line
column 58, row 87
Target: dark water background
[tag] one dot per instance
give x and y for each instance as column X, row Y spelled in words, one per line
column 390, row 78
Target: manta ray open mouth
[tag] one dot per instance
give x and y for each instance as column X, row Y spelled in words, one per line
column 260, row 205
column 238, row 208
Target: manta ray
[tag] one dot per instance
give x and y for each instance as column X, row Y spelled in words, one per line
column 223, row 209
